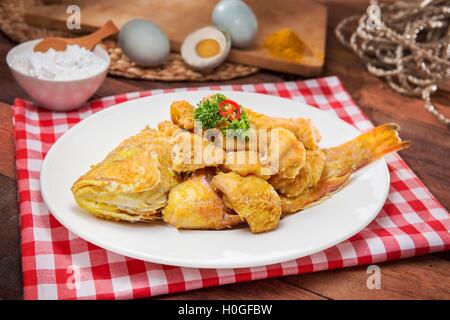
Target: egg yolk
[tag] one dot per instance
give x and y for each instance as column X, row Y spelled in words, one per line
column 207, row 48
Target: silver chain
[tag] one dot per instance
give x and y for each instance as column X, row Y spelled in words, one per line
column 405, row 43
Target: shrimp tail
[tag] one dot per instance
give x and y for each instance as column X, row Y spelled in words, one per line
column 363, row 150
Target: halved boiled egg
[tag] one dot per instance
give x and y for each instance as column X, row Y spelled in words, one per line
column 205, row 48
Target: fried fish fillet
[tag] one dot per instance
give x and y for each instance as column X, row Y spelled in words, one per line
column 190, row 151
column 193, row 204
column 302, row 128
column 252, row 198
column 131, row 183
column 182, row 114
column 287, row 151
column 247, row 163
column 307, row 177
column 283, row 157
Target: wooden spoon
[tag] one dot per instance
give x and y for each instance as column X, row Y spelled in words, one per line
column 88, row 42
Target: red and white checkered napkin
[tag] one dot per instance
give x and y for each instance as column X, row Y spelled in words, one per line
column 411, row 222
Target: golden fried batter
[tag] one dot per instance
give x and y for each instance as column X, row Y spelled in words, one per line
column 132, row 182
column 182, row 114
column 302, row 128
column 246, row 163
column 287, row 151
column 308, row 176
column 190, row 152
column 253, row 199
column 342, row 160
column 194, row 205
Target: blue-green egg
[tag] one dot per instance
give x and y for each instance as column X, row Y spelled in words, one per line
column 238, row 19
column 144, row 43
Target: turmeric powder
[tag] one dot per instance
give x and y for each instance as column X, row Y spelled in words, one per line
column 286, row 44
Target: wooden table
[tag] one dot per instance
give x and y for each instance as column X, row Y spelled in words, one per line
column 426, row 277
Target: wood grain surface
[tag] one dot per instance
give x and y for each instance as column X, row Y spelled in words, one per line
column 426, row 277
column 180, row 17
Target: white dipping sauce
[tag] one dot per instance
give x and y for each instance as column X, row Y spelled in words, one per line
column 72, row 64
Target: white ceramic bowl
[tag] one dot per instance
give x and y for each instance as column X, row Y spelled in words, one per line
column 58, row 95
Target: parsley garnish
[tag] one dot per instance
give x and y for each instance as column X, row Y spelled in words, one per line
column 207, row 113
column 239, row 126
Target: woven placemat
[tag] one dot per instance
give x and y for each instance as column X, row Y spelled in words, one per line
column 12, row 23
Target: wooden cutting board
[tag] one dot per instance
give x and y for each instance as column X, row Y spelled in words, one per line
column 178, row 18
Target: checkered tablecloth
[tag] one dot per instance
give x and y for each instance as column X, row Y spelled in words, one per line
column 59, row 265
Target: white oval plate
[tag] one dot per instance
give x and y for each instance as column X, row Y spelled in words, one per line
column 312, row 230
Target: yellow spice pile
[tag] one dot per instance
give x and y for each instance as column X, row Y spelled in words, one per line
column 286, row 44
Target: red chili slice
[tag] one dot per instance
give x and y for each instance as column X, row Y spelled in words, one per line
column 231, row 113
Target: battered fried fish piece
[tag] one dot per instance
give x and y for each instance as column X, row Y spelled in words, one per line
column 247, row 163
column 302, row 128
column 343, row 160
column 189, row 151
column 193, row 204
column 283, row 157
column 182, row 114
column 168, row 128
column 287, row 151
column 131, row 183
column 308, row 176
column 253, row 199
